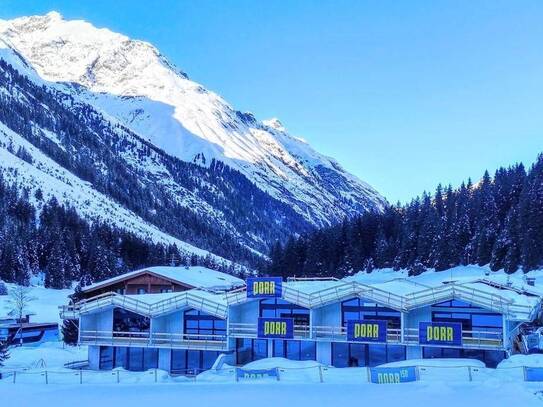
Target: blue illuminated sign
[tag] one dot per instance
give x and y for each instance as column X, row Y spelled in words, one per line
column 391, row 375
column 440, row 333
column 533, row 374
column 367, row 331
column 264, row 287
column 270, row 328
column 254, row 374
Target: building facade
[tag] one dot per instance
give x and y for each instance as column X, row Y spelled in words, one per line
column 335, row 322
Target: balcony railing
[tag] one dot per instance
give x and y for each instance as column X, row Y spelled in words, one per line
column 155, row 340
column 470, row 339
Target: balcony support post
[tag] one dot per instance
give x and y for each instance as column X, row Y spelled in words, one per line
column 402, row 327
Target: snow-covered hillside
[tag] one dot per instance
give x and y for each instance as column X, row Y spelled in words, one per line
column 133, row 82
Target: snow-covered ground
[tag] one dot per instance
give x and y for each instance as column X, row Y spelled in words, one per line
column 43, row 307
column 273, row 395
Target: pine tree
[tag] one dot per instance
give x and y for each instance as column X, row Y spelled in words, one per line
column 70, row 331
column 4, row 353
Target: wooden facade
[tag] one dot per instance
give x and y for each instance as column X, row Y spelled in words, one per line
column 145, row 282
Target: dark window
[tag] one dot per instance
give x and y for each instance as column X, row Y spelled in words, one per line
column 204, row 326
column 106, row 357
column 128, row 321
column 135, row 359
column 490, row 357
column 278, row 308
column 478, row 322
column 179, row 361
column 121, row 357
column 360, row 309
column 248, row 350
column 355, row 354
column 150, row 358
column 295, row 350
column 192, row 362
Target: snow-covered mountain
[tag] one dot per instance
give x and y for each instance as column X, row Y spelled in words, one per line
column 132, row 82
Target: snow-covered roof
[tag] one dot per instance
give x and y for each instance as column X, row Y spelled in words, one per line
column 312, row 286
column 151, row 299
column 508, row 295
column 196, row 277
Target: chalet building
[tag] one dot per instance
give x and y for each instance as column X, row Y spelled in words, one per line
column 155, row 280
column 336, row 322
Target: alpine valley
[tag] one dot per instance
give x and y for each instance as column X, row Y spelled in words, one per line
column 102, row 130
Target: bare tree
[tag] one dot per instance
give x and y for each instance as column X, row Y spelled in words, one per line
column 18, row 303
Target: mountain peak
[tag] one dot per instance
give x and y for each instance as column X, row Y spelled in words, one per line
column 131, row 81
column 274, row 123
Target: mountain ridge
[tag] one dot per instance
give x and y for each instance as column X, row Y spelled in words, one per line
column 133, row 82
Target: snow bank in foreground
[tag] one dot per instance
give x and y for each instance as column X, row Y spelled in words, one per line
column 437, row 363
column 46, row 355
column 270, row 363
column 522, row 360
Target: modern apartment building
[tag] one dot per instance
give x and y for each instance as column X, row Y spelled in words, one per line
column 336, row 322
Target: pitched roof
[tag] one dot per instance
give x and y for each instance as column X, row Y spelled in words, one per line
column 196, row 277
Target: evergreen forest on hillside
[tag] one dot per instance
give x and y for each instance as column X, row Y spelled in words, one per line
column 497, row 222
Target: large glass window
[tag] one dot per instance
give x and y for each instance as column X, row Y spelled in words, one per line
column 248, row 350
column 128, row 321
column 204, row 326
column 106, row 357
column 490, row 357
column 295, row 350
column 356, row 354
column 150, row 358
column 478, row 322
column 121, row 357
column 179, row 361
column 360, row 309
column 192, row 361
column 278, row 308
column 135, row 359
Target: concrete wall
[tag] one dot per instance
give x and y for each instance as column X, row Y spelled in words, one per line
column 97, row 321
column 329, row 315
column 170, row 323
column 247, row 312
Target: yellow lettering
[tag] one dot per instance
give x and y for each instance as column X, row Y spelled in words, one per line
column 264, row 287
column 449, row 334
column 443, row 333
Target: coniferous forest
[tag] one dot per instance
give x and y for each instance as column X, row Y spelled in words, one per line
column 497, row 222
column 64, row 248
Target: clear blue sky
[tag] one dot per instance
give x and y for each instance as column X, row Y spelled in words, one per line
column 404, row 94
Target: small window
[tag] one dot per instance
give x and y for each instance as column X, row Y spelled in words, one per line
column 142, row 291
column 165, row 290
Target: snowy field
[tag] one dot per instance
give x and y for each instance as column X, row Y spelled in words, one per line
column 273, row 395
column 442, row 383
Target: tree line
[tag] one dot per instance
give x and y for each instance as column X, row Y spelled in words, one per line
column 59, row 246
column 496, row 222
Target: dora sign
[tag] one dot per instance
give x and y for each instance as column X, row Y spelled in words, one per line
column 440, row 333
column 367, row 331
column 273, row 328
column 264, row 287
